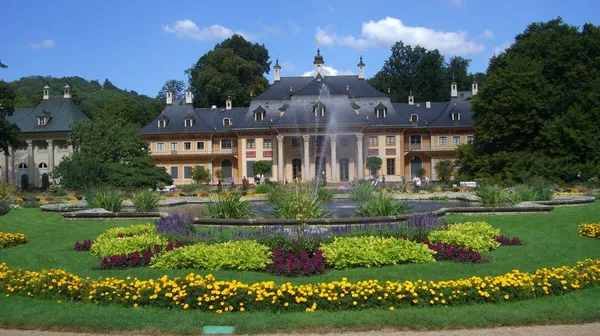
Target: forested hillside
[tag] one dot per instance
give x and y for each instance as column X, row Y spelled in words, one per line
column 95, row 99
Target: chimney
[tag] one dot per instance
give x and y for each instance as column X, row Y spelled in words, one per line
column 67, row 92
column 361, row 69
column 411, row 99
column 188, row 96
column 46, row 92
column 474, row 87
column 453, row 89
column 169, row 97
column 228, row 103
column 277, row 68
column 427, row 104
column 214, row 107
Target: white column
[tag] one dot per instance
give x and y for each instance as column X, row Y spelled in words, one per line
column 30, row 163
column 334, row 163
column 306, row 172
column 280, row 170
column 4, row 167
column 359, row 156
column 13, row 170
column 50, row 156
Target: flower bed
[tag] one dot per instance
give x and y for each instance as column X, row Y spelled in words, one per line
column 11, row 239
column 208, row 294
column 589, row 230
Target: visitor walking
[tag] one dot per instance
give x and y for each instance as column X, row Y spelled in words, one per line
column 403, row 183
column 417, row 182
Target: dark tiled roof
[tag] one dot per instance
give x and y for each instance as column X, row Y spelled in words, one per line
column 439, row 114
column 61, row 111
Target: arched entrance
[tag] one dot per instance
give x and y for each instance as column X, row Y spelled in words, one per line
column 296, row 169
column 227, row 170
column 415, row 164
column 344, row 169
column 42, row 169
column 22, row 171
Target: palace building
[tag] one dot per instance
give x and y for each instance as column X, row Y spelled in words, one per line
column 44, row 131
column 311, row 127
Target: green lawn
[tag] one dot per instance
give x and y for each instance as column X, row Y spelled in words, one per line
column 549, row 240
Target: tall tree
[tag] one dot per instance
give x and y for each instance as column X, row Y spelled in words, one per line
column 175, row 85
column 537, row 112
column 9, row 133
column 456, row 69
column 234, row 68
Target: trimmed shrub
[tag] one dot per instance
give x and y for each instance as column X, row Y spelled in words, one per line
column 244, row 255
column 134, row 230
column 146, row 200
column 479, row 235
column 296, row 264
column 373, row 251
column 125, row 245
column 228, row 206
column 108, row 199
column 381, row 205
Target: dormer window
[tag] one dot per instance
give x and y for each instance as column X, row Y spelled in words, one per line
column 162, row 123
column 380, row 111
column 189, row 122
column 414, row 118
column 259, row 116
column 41, row 121
column 455, row 116
column 319, row 110
column 226, row 122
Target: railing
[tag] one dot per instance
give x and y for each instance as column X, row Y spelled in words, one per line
column 429, row 147
column 232, row 151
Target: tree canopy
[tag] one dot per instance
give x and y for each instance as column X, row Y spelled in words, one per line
column 422, row 72
column 234, row 68
column 175, row 85
column 9, row 133
column 538, row 112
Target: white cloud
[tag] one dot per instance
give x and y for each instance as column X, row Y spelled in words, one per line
column 295, row 26
column 388, row 31
column 454, row 3
column 329, row 71
column 45, row 44
column 188, row 29
column 501, row 48
column 488, row 34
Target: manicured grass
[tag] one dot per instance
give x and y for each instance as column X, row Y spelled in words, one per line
column 549, row 240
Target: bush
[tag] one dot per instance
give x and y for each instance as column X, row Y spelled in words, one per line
column 262, row 188
column 244, row 255
column 503, row 240
column 296, row 264
column 450, row 252
column 7, row 191
column 4, row 208
column 11, row 239
column 543, row 188
column 24, row 182
column 362, row 191
column 382, row 205
column 31, row 204
column 146, row 200
column 178, row 227
column 228, row 206
column 135, row 259
column 372, row 251
column 478, row 235
column 297, row 202
column 522, row 193
column 108, row 199
column 324, row 195
column 491, row 194
column 128, row 231
column 86, row 245
column 125, row 245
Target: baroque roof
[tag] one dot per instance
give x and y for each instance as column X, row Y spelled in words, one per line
column 60, row 112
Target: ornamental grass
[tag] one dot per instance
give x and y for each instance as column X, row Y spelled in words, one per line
column 208, row 294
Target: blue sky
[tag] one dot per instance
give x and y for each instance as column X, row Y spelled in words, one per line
column 138, row 45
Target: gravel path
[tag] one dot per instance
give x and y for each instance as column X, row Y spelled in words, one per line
column 590, row 329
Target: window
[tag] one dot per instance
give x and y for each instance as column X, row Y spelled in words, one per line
column 173, row 146
column 380, row 113
column 187, row 146
column 226, row 144
column 162, row 123
column 160, row 146
column 189, row 122
column 414, row 118
column 455, row 116
column 391, row 166
column 343, row 141
column 226, row 122
column 372, row 141
column 199, row 145
column 456, row 140
column 319, row 111
column 390, row 140
column 250, row 143
column 267, row 143
column 415, row 140
column 442, row 141
column 259, row 116
column 174, row 172
column 41, row 121
column 187, row 172
column 296, row 143
column 470, row 139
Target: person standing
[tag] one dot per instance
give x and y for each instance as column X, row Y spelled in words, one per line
column 403, row 183
column 417, row 182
